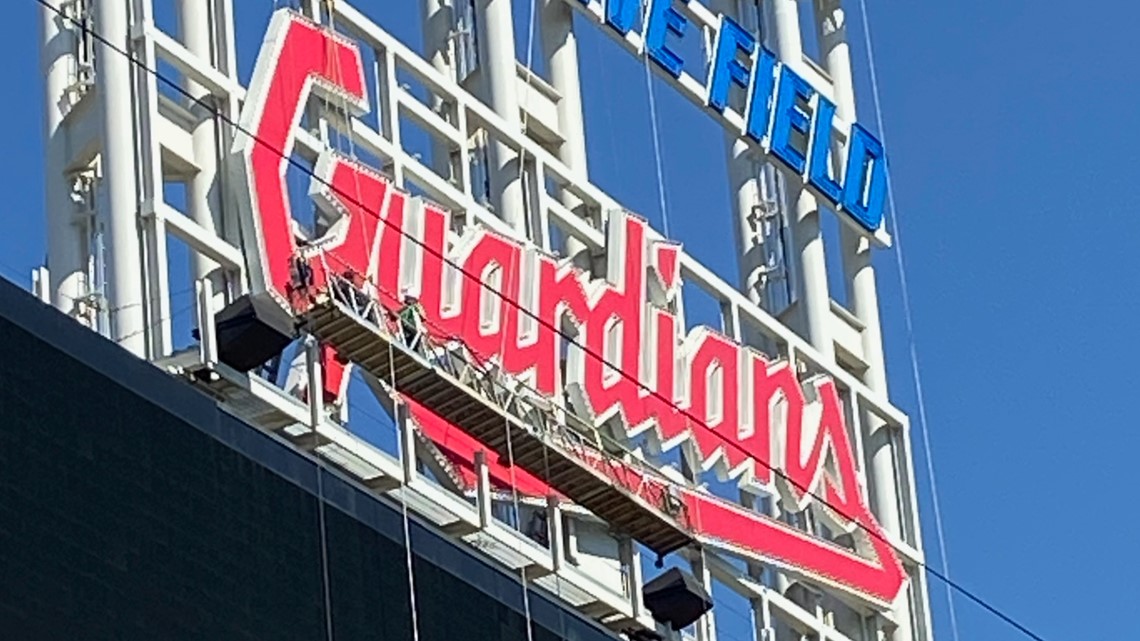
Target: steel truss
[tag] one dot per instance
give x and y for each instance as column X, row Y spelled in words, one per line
column 557, row 197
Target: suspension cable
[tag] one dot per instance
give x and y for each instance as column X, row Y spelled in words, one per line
column 656, row 146
column 531, row 20
column 518, row 524
column 911, row 340
column 312, row 354
column 528, row 211
column 406, row 450
column 311, row 351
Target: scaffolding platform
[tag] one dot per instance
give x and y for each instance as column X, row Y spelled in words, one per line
column 520, row 427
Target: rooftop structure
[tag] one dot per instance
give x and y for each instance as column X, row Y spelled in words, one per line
column 547, row 401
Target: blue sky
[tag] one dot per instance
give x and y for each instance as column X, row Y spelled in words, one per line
column 1011, row 157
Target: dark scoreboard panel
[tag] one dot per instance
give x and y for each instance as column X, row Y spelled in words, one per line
column 131, row 507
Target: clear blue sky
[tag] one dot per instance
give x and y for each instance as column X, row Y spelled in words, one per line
column 1010, row 150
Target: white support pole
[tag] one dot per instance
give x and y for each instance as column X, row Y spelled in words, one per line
column 885, row 505
column 483, row 498
column 765, row 628
column 814, row 299
column 227, row 48
column 41, row 285
column 560, row 51
column 120, row 214
column 208, row 339
column 203, row 194
column 316, row 398
column 408, row 449
column 498, row 67
column 744, row 192
column 631, row 557
column 862, row 295
column 863, row 300
column 66, row 244
column 706, row 626
column 226, row 61
column 438, row 19
column 745, row 195
column 555, row 532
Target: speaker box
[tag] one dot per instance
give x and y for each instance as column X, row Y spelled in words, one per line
column 250, row 331
column 676, row 598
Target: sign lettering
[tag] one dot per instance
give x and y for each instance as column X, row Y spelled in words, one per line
column 631, row 365
column 783, row 114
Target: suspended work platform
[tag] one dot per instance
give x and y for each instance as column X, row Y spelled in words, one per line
column 520, row 426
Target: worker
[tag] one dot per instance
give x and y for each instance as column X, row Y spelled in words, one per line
column 301, row 280
column 411, row 320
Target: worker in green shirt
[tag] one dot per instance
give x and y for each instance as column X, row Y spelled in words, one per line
column 411, row 320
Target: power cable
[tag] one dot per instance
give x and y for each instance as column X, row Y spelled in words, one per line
column 624, row 374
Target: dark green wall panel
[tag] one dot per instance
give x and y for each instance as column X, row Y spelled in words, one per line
column 132, row 508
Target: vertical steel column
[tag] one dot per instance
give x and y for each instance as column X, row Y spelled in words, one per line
column 67, row 247
column 630, row 556
column 437, row 19
column 555, row 532
column 745, row 195
column 315, row 374
column 744, row 190
column 225, row 58
column 203, row 194
column 746, row 171
column 706, row 625
column 124, row 260
column 862, row 295
column 560, row 50
column 863, row 300
column 814, row 300
column 227, row 47
column 499, row 71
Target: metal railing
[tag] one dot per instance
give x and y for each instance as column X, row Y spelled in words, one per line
column 551, row 422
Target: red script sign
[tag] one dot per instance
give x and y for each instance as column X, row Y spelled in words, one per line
column 733, row 409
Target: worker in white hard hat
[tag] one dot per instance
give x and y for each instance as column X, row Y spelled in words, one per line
column 411, row 318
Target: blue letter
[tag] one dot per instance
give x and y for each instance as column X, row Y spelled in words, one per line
column 621, row 14
column 731, row 40
column 818, row 170
column 788, row 117
column 663, row 19
column 760, row 103
column 863, row 196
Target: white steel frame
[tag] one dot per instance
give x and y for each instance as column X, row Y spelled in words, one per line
column 166, row 150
